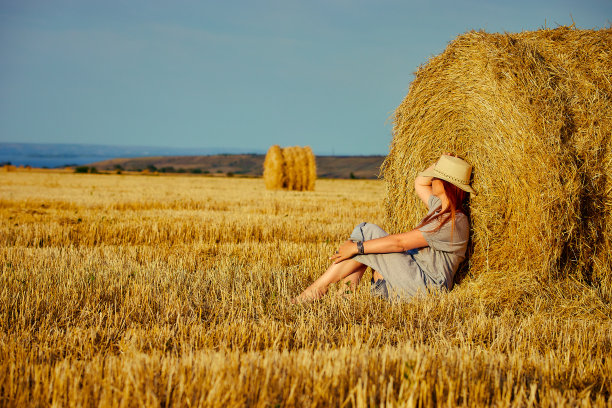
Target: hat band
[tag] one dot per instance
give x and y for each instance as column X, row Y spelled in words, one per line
column 467, row 183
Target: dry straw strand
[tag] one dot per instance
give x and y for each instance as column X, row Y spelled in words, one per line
column 532, row 112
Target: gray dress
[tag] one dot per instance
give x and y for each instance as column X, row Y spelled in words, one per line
column 419, row 270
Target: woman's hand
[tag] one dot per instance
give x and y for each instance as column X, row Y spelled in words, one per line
column 347, row 250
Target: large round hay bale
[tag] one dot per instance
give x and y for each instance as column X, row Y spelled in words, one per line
column 532, row 112
column 291, row 168
column 273, row 168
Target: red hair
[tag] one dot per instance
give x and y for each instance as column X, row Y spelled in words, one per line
column 456, row 198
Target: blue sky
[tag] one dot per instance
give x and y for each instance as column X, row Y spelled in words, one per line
column 235, row 74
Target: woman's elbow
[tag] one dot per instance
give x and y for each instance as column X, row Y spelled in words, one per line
column 412, row 240
column 401, row 245
column 417, row 184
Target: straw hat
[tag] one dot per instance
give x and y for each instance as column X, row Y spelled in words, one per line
column 452, row 169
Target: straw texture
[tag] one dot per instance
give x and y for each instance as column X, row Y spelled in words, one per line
column 532, row 112
column 290, row 168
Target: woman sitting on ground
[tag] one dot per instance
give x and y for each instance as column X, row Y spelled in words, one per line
column 412, row 262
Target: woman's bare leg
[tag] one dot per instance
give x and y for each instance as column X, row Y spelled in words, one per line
column 333, row 274
column 351, row 281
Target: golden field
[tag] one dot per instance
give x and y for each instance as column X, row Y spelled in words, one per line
column 130, row 290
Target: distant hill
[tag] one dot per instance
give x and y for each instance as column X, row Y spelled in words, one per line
column 204, row 160
column 246, row 164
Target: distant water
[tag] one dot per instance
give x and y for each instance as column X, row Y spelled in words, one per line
column 54, row 155
column 51, row 162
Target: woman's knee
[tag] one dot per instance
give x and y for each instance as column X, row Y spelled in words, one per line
column 366, row 231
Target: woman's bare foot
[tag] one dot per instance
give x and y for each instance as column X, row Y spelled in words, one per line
column 307, row 296
column 349, row 269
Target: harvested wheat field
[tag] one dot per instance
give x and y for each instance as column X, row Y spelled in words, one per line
column 126, row 290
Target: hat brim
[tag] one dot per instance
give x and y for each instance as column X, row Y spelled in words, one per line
column 434, row 173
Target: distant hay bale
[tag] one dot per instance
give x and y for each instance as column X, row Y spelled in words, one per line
column 273, row 168
column 290, row 168
column 310, row 169
column 532, row 112
column 290, row 181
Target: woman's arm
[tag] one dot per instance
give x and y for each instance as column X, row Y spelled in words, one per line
column 391, row 243
column 422, row 186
